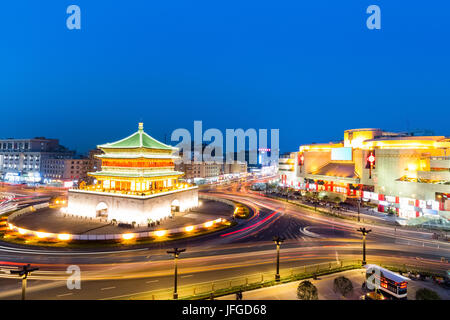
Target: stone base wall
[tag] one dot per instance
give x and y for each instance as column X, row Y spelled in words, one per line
column 129, row 209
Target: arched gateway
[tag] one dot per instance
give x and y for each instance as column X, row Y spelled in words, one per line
column 101, row 210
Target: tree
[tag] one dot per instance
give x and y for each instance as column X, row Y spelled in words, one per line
column 343, row 285
column 391, row 212
column 307, row 291
column 427, row 294
column 337, row 200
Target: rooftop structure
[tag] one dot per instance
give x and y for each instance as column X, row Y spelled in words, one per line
column 405, row 174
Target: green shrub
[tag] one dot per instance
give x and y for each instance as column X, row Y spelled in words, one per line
column 343, row 285
column 307, row 291
column 337, row 200
column 427, row 294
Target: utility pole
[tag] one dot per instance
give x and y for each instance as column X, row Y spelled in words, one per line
column 371, row 159
column 24, row 273
column 364, row 232
column 359, row 207
column 278, row 241
column 176, row 253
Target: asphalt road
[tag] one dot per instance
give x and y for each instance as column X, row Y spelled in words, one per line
column 242, row 250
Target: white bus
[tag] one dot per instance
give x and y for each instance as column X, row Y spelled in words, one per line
column 387, row 281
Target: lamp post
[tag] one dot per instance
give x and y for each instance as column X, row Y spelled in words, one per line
column 278, row 241
column 371, row 159
column 24, row 273
column 359, row 207
column 176, row 252
column 364, row 232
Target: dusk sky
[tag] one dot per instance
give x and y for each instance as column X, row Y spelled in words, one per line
column 309, row 68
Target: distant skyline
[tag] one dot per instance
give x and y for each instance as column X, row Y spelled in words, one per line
column 310, row 69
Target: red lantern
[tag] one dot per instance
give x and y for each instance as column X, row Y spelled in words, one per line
column 302, row 159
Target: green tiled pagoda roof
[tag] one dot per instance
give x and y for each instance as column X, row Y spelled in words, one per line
column 136, row 174
column 139, row 139
column 136, row 156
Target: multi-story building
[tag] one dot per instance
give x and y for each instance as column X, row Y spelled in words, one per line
column 23, row 160
column 210, row 170
column 287, row 169
column 65, row 170
column 204, row 169
column 406, row 174
column 235, row 168
column 95, row 163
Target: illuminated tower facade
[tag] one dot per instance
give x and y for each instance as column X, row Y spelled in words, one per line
column 138, row 164
column 137, row 183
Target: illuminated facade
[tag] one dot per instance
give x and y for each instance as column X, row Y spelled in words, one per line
column 405, row 174
column 137, row 183
column 31, row 160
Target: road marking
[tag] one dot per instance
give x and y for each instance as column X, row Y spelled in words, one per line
column 187, row 276
column 108, row 288
column 39, row 252
column 64, row 294
column 151, row 281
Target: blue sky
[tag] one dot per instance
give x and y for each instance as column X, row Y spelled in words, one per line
column 309, row 68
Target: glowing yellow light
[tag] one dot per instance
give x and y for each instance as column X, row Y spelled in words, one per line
column 209, row 224
column 10, row 226
column 57, row 201
column 63, row 236
column 189, row 228
column 42, row 235
column 218, row 220
column 21, row 231
column 160, row 233
column 412, row 167
column 127, row 236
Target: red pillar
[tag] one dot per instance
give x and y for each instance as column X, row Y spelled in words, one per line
column 397, row 200
column 417, row 205
column 380, row 207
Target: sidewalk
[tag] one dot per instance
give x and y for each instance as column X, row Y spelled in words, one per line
column 324, row 286
column 365, row 213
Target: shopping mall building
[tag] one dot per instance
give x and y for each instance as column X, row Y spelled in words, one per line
column 401, row 173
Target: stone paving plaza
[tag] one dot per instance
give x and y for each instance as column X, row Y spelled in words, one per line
column 52, row 220
column 324, row 286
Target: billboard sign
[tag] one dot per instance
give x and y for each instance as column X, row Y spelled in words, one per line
column 341, row 154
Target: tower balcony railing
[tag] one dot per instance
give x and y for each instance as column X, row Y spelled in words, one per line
column 440, row 158
column 99, row 188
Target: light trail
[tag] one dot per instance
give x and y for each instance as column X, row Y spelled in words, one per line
column 249, row 227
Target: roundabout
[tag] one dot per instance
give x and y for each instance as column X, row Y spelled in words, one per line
column 43, row 225
column 244, row 250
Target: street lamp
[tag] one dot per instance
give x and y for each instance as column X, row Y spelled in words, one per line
column 176, row 252
column 371, row 159
column 364, row 232
column 359, row 207
column 24, row 273
column 278, row 241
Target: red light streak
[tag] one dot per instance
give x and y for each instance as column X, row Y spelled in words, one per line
column 249, row 227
